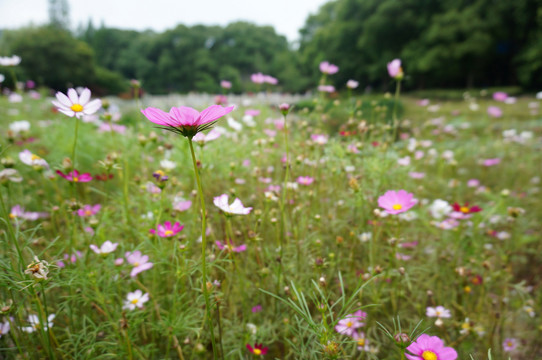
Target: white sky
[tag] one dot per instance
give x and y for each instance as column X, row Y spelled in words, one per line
column 287, row 16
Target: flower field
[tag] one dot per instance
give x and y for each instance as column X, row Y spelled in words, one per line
column 337, row 227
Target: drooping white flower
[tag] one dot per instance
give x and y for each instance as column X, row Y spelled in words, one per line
column 32, row 159
column 236, row 208
column 19, row 126
column 106, row 248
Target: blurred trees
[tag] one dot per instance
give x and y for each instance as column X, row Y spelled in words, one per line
column 443, row 43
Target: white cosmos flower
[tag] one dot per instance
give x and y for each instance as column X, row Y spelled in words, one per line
column 236, row 208
column 32, row 160
column 10, row 60
column 440, row 208
column 4, row 328
column 135, row 299
column 167, row 164
column 2, row 78
column 34, row 322
column 19, row 126
column 438, row 312
column 76, row 105
column 106, row 248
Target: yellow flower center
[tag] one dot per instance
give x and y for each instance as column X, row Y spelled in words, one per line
column 168, row 233
column 34, row 157
column 361, row 342
column 136, row 264
column 349, row 324
column 429, row 355
column 75, row 179
column 464, row 209
column 88, row 213
column 134, row 301
column 257, row 352
column 397, row 207
column 12, row 216
column 77, row 107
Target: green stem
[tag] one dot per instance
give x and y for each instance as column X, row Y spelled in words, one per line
column 75, row 142
column 11, row 232
column 395, row 124
column 203, row 250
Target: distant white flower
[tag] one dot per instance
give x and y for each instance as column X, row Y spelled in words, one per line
column 235, row 125
column 439, row 312
column 135, row 299
column 106, row 248
column 32, row 160
column 4, row 328
column 2, row 78
column 440, row 208
column 474, row 106
column 539, row 95
column 408, row 216
column 76, row 105
column 167, row 164
column 252, row 328
column 38, row 268
column 404, row 161
column 236, row 208
column 35, row 325
column 249, row 120
column 10, row 60
column 364, row 237
column 10, row 175
column 352, row 84
column 19, row 126
column 448, row 154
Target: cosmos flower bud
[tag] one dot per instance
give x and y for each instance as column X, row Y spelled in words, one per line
column 284, row 108
column 402, row 338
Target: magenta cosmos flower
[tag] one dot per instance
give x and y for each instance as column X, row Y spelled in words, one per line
column 184, row 120
column 350, row 323
column 327, row 68
column 396, row 202
column 430, row 348
column 305, row 180
column 395, row 70
column 75, row 176
column 167, row 230
column 494, row 111
column 230, row 247
column 138, row 261
column 76, row 105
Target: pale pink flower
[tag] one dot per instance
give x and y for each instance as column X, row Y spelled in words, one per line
column 138, row 261
column 88, row 210
column 225, row 84
column 394, row 69
column 305, row 180
column 500, row 96
column 509, row 344
column 33, row 160
column 202, row 138
column 352, row 84
column 438, row 312
column 416, row 175
column 473, row 183
column 182, row 205
column 319, row 139
column 494, row 111
column 326, row 88
column 230, row 247
column 327, row 68
column 491, row 162
column 350, row 323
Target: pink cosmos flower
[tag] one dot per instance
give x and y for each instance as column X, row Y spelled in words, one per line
column 88, row 210
column 106, row 248
column 221, row 100
column 202, row 138
column 104, row 127
column 447, row 224
column 236, row 208
column 491, row 162
column 135, row 299
column 225, row 84
column 494, row 111
column 182, row 205
column 509, row 344
column 430, row 348
column 252, row 112
column 500, row 96
column 230, row 248
column 305, row 180
column 362, row 342
column 473, row 183
column 438, row 312
column 416, row 175
column 319, row 139
column 423, row 102
column 138, row 261
column 394, row 69
column 185, row 120
column 75, row 176
column 327, row 68
column 18, row 212
column 257, row 78
column 396, row 202
column 326, row 88
column 350, row 323
column 270, row 80
column 33, row 160
column 353, row 149
column 167, row 230
column 76, row 105
column 352, row 84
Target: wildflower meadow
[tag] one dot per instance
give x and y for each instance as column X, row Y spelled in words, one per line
column 332, row 227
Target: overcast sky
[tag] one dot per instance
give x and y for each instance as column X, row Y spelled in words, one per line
column 287, row 16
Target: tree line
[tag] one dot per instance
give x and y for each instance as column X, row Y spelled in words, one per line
column 442, row 43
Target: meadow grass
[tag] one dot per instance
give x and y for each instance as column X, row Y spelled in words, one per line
column 333, row 252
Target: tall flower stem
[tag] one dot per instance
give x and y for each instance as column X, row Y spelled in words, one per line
column 203, row 250
column 75, row 142
column 11, row 232
column 283, row 201
column 396, row 100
